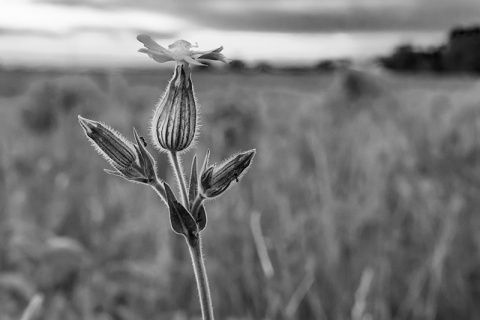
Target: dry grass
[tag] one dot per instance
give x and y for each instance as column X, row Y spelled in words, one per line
column 356, row 177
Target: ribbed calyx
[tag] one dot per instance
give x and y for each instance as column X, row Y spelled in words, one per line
column 174, row 123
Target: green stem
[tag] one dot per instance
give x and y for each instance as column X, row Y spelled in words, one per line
column 177, row 168
column 158, row 186
column 195, row 248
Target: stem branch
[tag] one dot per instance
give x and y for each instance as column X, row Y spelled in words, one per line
column 158, row 186
column 177, row 168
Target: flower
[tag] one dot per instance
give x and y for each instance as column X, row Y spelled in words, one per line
column 180, row 51
column 216, row 179
column 174, row 122
column 131, row 161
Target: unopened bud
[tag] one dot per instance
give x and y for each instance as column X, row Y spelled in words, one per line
column 131, row 161
column 216, row 179
column 174, row 123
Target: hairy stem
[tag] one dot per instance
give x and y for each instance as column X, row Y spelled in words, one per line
column 195, row 248
column 177, row 168
column 158, row 186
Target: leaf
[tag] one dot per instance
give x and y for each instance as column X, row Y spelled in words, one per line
column 202, row 218
column 147, row 163
column 115, row 173
column 205, row 162
column 181, row 220
column 193, row 188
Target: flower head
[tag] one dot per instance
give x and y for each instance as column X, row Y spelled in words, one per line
column 131, row 161
column 180, row 51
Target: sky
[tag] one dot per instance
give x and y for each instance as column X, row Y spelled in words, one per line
column 103, row 32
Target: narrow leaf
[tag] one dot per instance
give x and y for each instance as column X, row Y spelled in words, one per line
column 140, row 146
column 205, row 162
column 202, row 218
column 193, row 188
column 115, row 173
column 147, row 163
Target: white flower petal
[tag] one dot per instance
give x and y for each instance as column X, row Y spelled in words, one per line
column 156, row 55
column 199, row 53
column 192, row 61
column 150, row 44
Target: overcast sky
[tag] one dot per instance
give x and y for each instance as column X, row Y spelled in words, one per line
column 103, row 31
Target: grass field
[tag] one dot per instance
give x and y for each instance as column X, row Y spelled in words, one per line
column 364, row 193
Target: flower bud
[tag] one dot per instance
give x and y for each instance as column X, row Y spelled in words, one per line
column 216, row 179
column 174, row 123
column 131, row 161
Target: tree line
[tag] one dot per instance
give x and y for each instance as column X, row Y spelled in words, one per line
column 461, row 54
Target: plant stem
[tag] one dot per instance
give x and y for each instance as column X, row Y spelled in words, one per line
column 195, row 248
column 157, row 185
column 177, row 168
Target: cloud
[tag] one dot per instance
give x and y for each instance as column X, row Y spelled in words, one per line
column 61, row 19
column 107, row 31
column 23, row 32
column 83, row 31
column 350, row 20
column 306, row 15
column 107, row 5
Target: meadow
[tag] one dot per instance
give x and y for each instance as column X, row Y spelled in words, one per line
column 362, row 201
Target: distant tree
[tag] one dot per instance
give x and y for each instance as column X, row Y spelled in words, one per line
column 237, row 65
column 460, row 54
column 407, row 58
column 463, row 50
column 264, row 67
column 403, row 59
column 435, row 59
column 326, row 66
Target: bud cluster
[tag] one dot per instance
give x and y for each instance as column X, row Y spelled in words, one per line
column 173, row 129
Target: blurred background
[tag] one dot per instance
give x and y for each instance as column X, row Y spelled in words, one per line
column 362, row 202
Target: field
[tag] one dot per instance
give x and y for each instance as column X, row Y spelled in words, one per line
column 362, row 201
